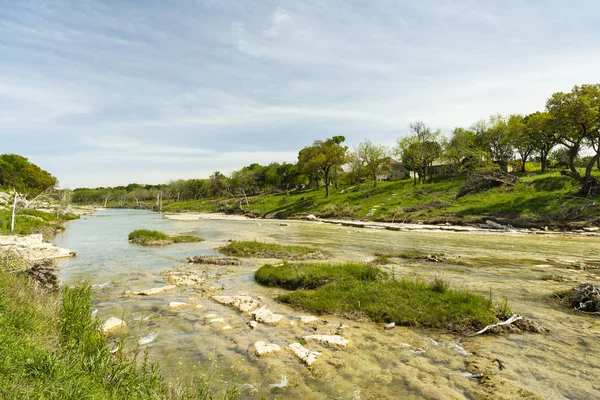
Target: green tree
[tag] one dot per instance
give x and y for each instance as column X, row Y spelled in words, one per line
column 323, row 158
column 464, row 152
column 376, row 158
column 543, row 134
column 420, row 150
column 494, row 137
column 521, row 137
column 17, row 172
column 577, row 116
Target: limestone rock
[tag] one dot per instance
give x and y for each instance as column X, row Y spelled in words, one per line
column 307, row 319
column 307, row 356
column 153, row 291
column 113, row 324
column 174, row 305
column 332, row 340
column 241, row 303
column 253, row 324
column 266, row 316
column 263, row 349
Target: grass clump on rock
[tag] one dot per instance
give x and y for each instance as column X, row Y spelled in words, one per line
column 361, row 290
column 147, row 237
column 257, row 249
column 311, row 276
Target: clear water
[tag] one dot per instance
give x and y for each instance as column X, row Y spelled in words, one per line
column 563, row 364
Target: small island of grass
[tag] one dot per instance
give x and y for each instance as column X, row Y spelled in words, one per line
column 146, row 237
column 361, row 290
column 255, row 249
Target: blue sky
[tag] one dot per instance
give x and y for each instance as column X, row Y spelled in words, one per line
column 115, row 91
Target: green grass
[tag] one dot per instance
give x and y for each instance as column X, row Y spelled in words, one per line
column 52, row 348
column 146, row 237
column 314, row 275
column 538, row 198
column 255, row 249
column 358, row 290
column 33, row 221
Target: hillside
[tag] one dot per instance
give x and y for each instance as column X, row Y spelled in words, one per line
column 538, row 199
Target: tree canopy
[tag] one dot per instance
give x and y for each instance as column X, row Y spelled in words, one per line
column 18, row 173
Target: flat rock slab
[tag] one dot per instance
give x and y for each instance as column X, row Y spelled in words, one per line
column 332, row 340
column 266, row 316
column 262, row 349
column 153, row 291
column 213, row 260
column 33, row 247
column 175, row 305
column 185, row 278
column 307, row 319
column 113, row 324
column 241, row 303
column 305, row 355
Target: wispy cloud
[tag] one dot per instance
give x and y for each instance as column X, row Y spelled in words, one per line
column 182, row 89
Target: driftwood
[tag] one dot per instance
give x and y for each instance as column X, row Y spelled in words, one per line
column 509, row 321
column 486, row 180
column 585, row 298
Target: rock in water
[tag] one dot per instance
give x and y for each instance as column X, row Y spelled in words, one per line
column 241, row 303
column 174, row 305
column 147, row 339
column 263, row 349
column 307, row 356
column 266, row 316
column 113, row 324
column 333, row 340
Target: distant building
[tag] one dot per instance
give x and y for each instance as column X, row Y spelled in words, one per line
column 400, row 171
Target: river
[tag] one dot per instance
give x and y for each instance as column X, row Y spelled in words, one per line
column 377, row 364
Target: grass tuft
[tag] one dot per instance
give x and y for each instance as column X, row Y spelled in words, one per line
column 147, row 237
column 255, row 249
column 362, row 290
column 312, row 276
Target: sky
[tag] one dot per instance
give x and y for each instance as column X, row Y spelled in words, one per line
column 109, row 92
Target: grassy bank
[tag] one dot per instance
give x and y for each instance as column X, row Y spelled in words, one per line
column 147, row 237
column 361, row 290
column 537, row 199
column 33, row 221
column 52, row 348
column 255, row 249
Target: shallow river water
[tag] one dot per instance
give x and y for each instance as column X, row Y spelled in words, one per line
column 378, row 364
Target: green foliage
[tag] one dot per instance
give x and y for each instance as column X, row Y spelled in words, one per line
column 29, row 221
column 314, row 275
column 404, row 302
column 147, row 237
column 17, row 172
column 52, row 347
column 322, row 158
column 269, row 250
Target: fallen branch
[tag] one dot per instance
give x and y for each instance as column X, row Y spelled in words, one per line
column 509, row 321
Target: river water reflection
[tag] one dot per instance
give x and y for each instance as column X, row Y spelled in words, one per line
column 377, row 364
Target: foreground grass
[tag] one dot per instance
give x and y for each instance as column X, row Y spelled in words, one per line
column 257, row 249
column 52, row 348
column 147, row 237
column 33, row 221
column 360, row 290
column 546, row 198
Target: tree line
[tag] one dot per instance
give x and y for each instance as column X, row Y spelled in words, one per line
column 568, row 126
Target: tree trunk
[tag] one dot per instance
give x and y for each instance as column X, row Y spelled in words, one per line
column 14, row 211
column 374, row 179
column 544, row 159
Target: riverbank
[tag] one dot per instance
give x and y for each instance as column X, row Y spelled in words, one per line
column 490, row 227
